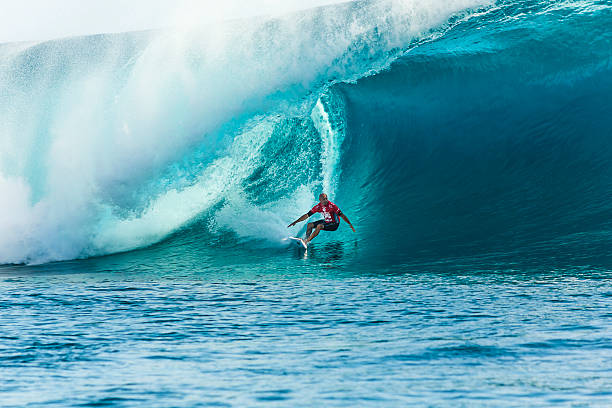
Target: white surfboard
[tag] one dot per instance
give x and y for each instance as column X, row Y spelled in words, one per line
column 301, row 241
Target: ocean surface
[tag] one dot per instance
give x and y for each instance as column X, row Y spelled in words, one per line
column 147, row 180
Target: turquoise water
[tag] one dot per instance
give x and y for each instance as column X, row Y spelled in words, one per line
column 306, row 333
column 147, row 181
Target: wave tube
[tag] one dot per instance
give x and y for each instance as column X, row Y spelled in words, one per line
column 491, row 141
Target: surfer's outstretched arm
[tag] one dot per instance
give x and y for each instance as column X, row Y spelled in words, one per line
column 347, row 220
column 302, row 218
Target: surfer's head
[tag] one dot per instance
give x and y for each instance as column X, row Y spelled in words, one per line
column 323, row 198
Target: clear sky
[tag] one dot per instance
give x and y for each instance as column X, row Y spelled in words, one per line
column 27, row 20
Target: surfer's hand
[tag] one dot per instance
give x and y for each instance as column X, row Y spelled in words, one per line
column 291, row 225
column 353, row 228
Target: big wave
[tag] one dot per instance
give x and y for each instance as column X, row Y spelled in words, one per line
column 440, row 127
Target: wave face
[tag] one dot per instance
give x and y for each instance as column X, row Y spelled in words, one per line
column 442, row 128
column 492, row 139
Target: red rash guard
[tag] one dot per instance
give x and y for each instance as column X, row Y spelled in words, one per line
column 330, row 211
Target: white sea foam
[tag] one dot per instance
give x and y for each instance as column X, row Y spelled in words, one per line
column 332, row 136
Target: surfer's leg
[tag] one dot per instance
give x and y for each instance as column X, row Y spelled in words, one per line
column 312, row 226
column 314, row 233
column 309, row 229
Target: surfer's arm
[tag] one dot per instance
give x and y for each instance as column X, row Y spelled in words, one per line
column 344, row 217
column 302, row 218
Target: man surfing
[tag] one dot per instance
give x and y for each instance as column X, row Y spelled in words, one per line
column 330, row 221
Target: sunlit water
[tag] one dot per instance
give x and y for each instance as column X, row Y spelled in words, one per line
column 303, row 332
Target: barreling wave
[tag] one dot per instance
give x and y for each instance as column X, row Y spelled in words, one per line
column 442, row 128
column 491, row 140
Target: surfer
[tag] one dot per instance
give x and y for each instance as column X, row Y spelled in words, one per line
column 330, row 221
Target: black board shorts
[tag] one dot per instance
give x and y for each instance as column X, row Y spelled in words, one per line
column 327, row 226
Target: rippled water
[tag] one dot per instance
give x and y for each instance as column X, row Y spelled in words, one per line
column 73, row 334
